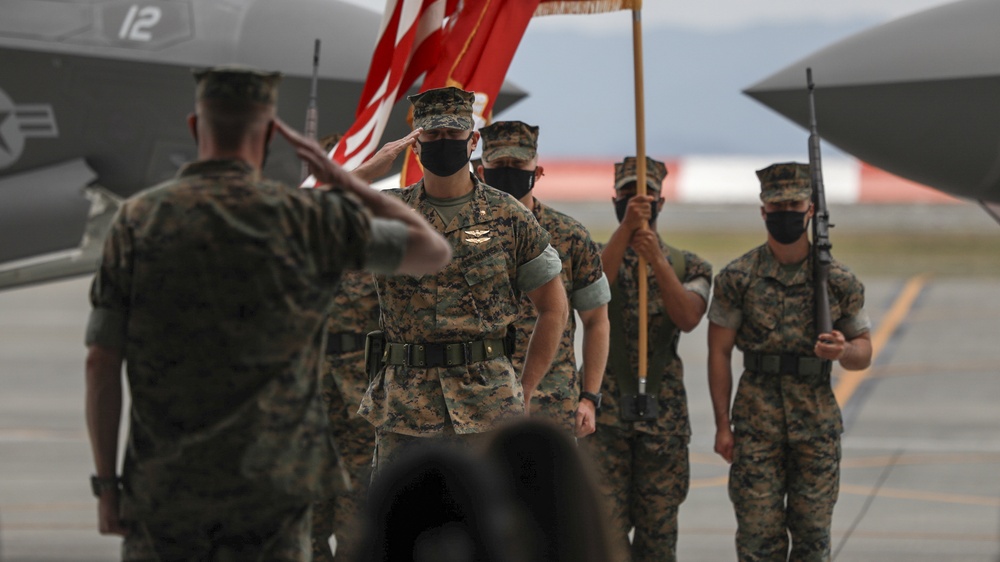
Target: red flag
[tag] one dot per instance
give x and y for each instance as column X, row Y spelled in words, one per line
column 409, row 43
column 475, row 56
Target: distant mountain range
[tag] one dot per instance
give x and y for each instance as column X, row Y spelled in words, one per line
column 580, row 89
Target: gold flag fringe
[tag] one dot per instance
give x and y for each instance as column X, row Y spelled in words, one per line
column 553, row 7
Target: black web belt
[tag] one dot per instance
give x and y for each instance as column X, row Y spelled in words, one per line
column 442, row 354
column 786, row 364
column 338, row 343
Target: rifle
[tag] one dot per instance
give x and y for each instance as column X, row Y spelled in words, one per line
column 312, row 115
column 820, row 224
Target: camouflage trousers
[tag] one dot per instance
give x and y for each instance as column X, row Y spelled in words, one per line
column 645, row 479
column 780, row 488
column 341, row 514
column 390, row 445
column 556, row 407
column 211, row 533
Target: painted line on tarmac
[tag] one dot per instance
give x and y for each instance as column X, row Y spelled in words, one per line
column 849, row 381
column 30, row 435
column 921, row 459
column 920, row 495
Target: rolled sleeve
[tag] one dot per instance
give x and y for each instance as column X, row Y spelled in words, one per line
column 106, row 328
column 540, row 270
column 718, row 314
column 387, row 245
column 854, row 326
column 592, row 296
column 699, row 286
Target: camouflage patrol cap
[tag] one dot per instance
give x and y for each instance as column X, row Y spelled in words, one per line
column 509, row 139
column 788, row 181
column 443, row 107
column 626, row 172
column 237, row 83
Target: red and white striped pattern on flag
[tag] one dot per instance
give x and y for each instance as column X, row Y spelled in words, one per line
column 475, row 55
column 409, row 43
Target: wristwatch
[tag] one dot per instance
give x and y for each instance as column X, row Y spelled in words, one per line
column 99, row 485
column 595, row 398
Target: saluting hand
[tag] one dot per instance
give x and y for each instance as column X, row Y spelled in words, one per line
column 325, row 171
column 379, row 164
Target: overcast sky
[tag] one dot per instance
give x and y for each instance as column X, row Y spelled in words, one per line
column 728, row 14
column 699, row 58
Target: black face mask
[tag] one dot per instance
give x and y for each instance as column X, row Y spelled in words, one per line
column 622, row 204
column 445, row 157
column 786, row 226
column 515, row 181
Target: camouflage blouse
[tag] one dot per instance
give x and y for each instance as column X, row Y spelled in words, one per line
column 771, row 308
column 497, row 246
column 216, row 285
column 586, row 288
column 356, row 311
column 671, row 396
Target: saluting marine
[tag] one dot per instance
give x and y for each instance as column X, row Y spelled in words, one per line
column 783, row 437
column 446, row 372
column 213, row 290
column 343, row 382
column 644, row 459
column 510, row 163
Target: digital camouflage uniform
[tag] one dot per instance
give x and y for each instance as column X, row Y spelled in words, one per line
column 582, row 276
column 216, row 286
column 498, row 251
column 586, row 287
column 344, row 383
column 644, row 464
column 473, row 298
column 786, row 457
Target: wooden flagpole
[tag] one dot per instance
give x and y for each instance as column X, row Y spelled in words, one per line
column 640, row 183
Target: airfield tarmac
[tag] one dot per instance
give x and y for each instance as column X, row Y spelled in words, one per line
column 921, row 447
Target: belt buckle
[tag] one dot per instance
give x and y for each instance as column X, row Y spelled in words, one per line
column 770, row 364
column 467, row 352
column 408, row 355
column 789, row 365
column 435, row 355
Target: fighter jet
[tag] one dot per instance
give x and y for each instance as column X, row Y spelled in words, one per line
column 94, row 96
column 917, row 97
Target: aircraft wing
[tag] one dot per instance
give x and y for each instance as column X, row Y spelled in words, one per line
column 52, row 223
column 916, row 97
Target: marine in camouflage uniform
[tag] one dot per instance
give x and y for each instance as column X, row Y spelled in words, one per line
column 510, row 163
column 784, row 442
column 446, row 373
column 343, row 384
column 644, row 464
column 214, row 289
